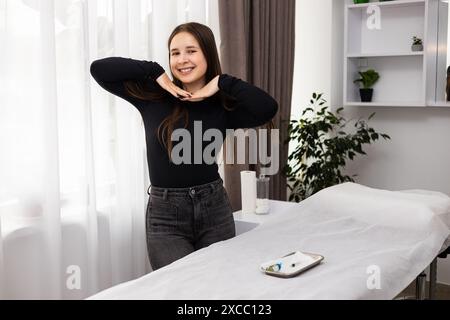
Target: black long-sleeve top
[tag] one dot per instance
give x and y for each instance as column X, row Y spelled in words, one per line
column 252, row 107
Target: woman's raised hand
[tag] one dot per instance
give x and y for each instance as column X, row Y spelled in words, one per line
column 207, row 91
column 167, row 84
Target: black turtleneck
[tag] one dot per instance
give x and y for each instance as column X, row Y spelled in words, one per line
column 252, row 107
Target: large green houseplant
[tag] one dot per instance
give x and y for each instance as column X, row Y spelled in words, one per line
column 322, row 148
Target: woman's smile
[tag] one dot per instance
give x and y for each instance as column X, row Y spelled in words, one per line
column 186, row 71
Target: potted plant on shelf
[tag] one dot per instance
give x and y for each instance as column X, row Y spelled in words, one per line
column 322, row 148
column 360, row 1
column 417, row 44
column 368, row 79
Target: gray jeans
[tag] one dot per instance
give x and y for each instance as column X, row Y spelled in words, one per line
column 182, row 220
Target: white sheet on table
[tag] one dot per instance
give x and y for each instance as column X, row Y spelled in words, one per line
column 354, row 227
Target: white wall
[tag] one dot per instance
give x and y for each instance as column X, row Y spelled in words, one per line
column 418, row 156
column 312, row 54
column 312, row 65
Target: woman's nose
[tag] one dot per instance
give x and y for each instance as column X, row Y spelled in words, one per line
column 184, row 57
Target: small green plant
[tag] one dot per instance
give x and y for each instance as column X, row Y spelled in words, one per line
column 323, row 148
column 368, row 78
column 417, row 41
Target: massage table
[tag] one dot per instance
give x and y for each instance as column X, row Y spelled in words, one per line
column 356, row 228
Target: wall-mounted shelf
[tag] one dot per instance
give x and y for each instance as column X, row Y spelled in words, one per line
column 413, row 104
column 384, row 54
column 406, row 76
column 388, row 4
column 439, row 104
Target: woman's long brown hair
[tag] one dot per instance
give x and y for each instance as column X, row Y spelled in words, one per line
column 206, row 40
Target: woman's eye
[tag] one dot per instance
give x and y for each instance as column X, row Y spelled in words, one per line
column 192, row 51
column 175, row 54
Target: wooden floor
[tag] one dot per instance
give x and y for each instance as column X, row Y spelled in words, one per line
column 442, row 292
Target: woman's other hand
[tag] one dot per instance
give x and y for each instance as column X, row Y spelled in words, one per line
column 207, row 91
column 167, row 84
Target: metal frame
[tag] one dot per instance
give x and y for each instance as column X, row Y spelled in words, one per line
column 421, row 279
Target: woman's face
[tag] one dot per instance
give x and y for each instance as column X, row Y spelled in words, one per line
column 187, row 62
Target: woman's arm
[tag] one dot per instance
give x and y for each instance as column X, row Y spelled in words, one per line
column 254, row 107
column 111, row 73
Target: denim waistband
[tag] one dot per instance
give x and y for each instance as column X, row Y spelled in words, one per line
column 194, row 190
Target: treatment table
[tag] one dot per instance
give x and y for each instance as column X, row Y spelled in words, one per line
column 364, row 234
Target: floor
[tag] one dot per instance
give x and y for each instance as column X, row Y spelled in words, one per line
column 442, row 292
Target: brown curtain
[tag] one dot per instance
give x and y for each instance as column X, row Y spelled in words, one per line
column 257, row 46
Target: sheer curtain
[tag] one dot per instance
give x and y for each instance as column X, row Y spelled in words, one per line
column 73, row 166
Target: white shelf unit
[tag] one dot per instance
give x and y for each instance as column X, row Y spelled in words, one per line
column 439, row 104
column 442, row 56
column 412, row 104
column 397, row 3
column 404, row 74
column 384, row 54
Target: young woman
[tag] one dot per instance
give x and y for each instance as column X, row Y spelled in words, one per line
column 188, row 207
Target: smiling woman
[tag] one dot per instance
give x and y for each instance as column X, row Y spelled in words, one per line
column 195, row 69
column 188, row 208
column 187, row 61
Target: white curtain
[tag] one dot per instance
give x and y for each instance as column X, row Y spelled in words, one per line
column 73, row 167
